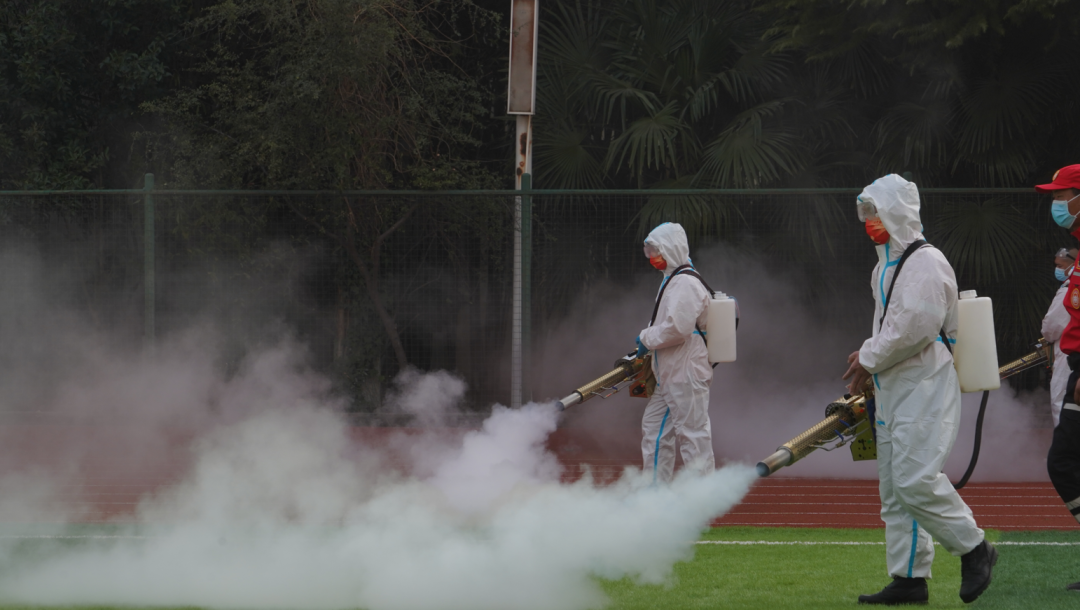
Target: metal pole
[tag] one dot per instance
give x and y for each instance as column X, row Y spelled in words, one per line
column 526, row 286
column 148, row 260
column 521, row 100
column 523, row 168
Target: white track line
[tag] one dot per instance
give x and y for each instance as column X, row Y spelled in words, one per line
column 839, row 524
column 844, row 543
column 875, row 514
column 721, row 542
column 45, row 536
column 974, row 487
column 971, row 504
column 874, row 493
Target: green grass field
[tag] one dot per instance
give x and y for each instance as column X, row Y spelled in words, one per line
column 823, row 577
column 809, row 577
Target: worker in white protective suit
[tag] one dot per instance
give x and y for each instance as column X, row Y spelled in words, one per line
column 679, row 407
column 1053, row 324
column 917, row 396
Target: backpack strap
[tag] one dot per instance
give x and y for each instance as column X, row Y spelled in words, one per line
column 685, row 270
column 678, row 270
column 915, row 245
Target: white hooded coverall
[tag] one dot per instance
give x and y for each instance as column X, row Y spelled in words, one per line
column 679, row 408
column 916, row 389
column 1053, row 324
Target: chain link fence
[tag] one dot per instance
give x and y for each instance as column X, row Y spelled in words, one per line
column 370, row 282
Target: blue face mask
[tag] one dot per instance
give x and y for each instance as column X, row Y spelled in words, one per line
column 1060, row 211
column 1060, row 274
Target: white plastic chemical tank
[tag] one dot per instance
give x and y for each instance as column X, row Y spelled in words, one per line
column 975, row 353
column 721, row 328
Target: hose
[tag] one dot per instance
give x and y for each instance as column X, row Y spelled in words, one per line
column 978, row 442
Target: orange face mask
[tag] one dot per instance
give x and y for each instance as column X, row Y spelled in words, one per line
column 658, row 262
column 877, row 231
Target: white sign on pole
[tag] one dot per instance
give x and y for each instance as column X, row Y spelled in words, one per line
column 521, row 97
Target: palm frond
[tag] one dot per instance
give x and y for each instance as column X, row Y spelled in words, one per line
column 564, row 161
column 648, row 142
column 914, row 135
column 984, row 240
column 622, row 96
column 750, row 152
column 1002, row 108
column 809, row 225
column 701, row 216
column 862, row 66
column 998, row 117
column 573, row 38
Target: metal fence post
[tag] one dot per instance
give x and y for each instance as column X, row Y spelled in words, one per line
column 523, row 171
column 148, row 260
column 516, row 367
column 526, row 285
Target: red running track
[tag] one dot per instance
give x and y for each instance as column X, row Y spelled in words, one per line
column 774, row 502
column 797, row 502
column 110, row 484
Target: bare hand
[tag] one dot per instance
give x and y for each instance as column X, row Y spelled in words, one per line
column 857, row 373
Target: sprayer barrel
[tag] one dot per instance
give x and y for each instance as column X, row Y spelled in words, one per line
column 596, row 386
column 774, row 462
column 842, row 420
column 1024, row 363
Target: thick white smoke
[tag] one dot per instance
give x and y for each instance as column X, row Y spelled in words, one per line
column 281, row 510
column 251, row 490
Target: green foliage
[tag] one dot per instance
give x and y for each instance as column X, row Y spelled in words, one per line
column 984, row 241
column 688, row 94
column 336, row 94
column 960, row 93
column 72, row 75
column 831, row 27
column 659, row 91
column 325, row 94
column 1003, row 250
column 702, row 216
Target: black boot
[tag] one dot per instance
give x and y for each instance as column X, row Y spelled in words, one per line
column 1073, row 587
column 976, row 567
column 899, row 591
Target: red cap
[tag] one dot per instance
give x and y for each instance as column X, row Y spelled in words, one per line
column 1067, row 177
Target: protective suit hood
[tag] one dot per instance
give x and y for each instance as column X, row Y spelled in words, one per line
column 897, row 203
column 670, row 239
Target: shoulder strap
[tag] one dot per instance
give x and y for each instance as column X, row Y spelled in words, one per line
column 698, row 276
column 678, row 270
column 915, row 245
column 686, row 270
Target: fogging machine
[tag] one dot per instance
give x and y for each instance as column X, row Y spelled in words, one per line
column 847, row 423
column 629, row 371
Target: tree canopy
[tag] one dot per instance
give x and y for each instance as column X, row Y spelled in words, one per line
column 632, row 93
column 650, row 93
column 406, row 94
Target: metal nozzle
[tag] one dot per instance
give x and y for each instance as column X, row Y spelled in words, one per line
column 774, row 462
column 569, row 401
